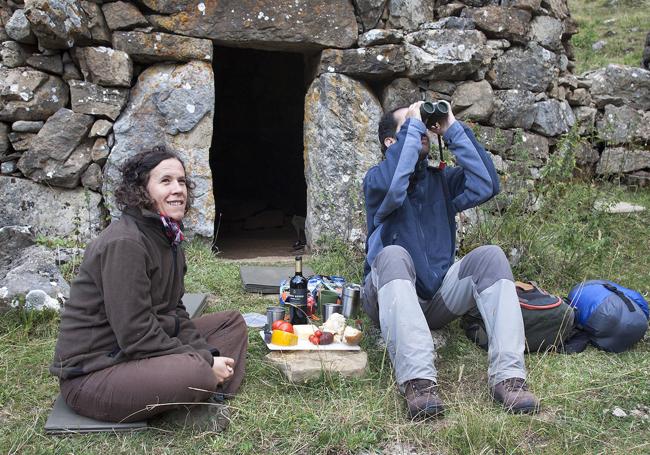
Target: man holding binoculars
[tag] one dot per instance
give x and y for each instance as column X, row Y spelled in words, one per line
column 412, row 283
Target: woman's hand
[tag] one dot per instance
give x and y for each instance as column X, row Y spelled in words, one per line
column 223, row 368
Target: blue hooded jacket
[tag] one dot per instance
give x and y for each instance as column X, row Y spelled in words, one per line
column 422, row 221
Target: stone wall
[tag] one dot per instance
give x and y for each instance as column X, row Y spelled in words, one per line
column 84, row 85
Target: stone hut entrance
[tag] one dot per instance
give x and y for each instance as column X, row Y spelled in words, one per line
column 274, row 104
column 256, row 155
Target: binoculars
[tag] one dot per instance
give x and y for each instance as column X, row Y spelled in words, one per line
column 433, row 112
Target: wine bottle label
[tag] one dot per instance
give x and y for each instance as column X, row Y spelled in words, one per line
column 298, row 296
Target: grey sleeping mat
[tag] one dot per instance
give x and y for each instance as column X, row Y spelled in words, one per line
column 62, row 419
column 195, row 304
column 267, row 279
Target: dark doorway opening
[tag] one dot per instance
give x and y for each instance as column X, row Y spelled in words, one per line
column 257, row 152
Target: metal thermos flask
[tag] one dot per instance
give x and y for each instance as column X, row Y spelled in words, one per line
column 351, row 300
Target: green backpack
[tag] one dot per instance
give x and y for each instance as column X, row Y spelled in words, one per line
column 548, row 320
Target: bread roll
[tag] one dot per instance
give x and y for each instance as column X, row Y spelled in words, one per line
column 352, row 336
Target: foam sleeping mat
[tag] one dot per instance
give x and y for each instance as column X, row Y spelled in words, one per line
column 63, row 420
column 267, row 279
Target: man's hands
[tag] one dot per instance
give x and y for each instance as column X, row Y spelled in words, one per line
column 443, row 125
column 223, row 368
column 439, row 128
column 414, row 111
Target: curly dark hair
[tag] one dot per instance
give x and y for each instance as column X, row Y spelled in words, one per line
column 132, row 192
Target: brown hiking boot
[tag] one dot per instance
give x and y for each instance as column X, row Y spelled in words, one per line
column 422, row 399
column 513, row 393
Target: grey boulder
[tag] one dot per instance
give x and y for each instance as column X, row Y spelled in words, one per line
column 158, row 47
column 585, row 118
column 499, row 22
column 13, row 54
column 615, row 160
column 101, row 128
column 473, row 101
column 123, row 16
column 367, row 62
column 547, row 31
column 93, row 99
column 400, row 92
column 409, row 15
column 619, row 85
column 495, row 140
column 105, row 66
column 92, row 177
column 23, row 126
column 53, row 212
column 513, row 109
column 57, row 154
column 4, row 138
column 57, row 23
column 29, row 94
column 532, row 68
column 289, row 25
column 445, row 54
column 369, row 12
column 619, row 125
column 32, row 272
column 19, row 29
column 21, row 141
column 99, row 31
column 376, row 37
column 340, row 146
column 553, row 118
column 529, row 149
column 48, row 63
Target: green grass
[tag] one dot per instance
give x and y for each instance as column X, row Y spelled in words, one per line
column 568, row 240
column 563, row 242
column 625, row 37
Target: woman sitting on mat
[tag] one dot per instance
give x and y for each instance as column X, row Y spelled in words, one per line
column 127, row 349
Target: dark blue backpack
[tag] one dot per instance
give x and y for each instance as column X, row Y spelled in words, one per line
column 614, row 317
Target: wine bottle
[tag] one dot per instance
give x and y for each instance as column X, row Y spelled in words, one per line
column 298, row 295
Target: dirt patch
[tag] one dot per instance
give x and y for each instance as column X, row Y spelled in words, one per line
column 263, row 245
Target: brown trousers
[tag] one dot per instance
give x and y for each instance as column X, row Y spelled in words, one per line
column 139, row 389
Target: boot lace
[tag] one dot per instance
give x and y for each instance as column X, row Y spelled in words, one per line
column 423, row 386
column 515, row 385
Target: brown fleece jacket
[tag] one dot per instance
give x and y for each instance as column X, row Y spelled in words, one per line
column 125, row 304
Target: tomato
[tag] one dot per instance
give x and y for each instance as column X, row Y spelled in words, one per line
column 311, row 339
column 318, row 333
column 285, row 327
column 276, row 324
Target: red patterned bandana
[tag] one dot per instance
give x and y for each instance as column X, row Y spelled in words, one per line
column 172, row 230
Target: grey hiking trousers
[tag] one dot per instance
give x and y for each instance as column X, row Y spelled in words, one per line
column 482, row 278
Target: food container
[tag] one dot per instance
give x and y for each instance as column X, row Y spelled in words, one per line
column 328, row 296
column 351, row 300
column 329, row 309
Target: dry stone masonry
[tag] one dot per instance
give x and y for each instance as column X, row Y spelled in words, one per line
column 86, row 84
